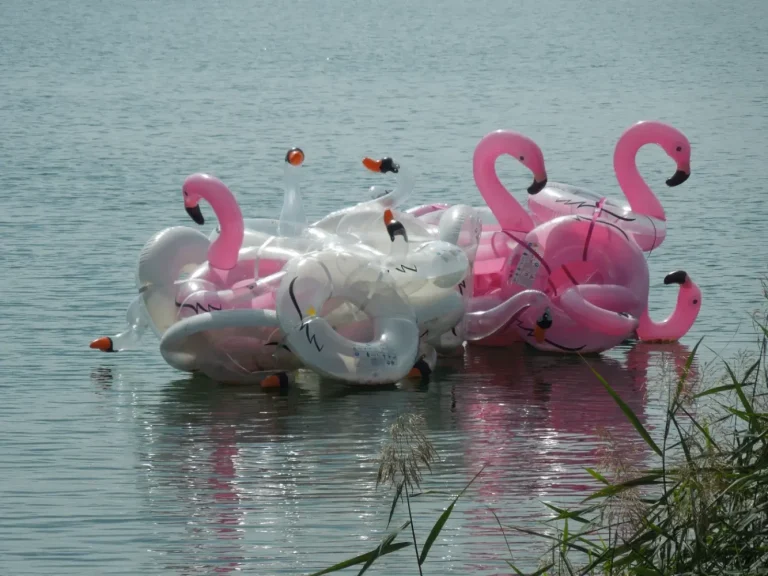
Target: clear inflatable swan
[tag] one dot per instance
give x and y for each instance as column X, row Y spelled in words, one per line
column 216, row 305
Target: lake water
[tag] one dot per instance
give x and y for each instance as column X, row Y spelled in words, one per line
column 116, row 464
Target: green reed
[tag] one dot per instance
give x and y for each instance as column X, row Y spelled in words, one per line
column 401, row 461
column 703, row 510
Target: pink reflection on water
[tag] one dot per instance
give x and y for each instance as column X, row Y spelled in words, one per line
column 539, row 420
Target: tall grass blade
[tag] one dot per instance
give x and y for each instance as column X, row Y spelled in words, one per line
column 596, row 475
column 612, row 490
column 384, row 543
column 503, row 534
column 566, row 514
column 435, row 532
column 398, row 493
column 363, row 558
column 627, row 411
column 715, row 390
column 537, row 573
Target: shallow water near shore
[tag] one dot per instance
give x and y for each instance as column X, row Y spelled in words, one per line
column 118, row 464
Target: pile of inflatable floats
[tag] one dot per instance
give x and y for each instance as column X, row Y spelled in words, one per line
column 375, row 293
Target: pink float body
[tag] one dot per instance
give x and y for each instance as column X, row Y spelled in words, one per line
column 226, row 282
column 498, row 241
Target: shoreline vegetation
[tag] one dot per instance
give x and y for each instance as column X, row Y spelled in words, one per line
column 702, row 510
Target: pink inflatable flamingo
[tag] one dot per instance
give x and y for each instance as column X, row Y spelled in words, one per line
column 512, row 218
column 507, row 211
column 225, row 277
column 223, row 252
column 644, row 218
column 510, row 215
column 682, row 318
column 595, row 276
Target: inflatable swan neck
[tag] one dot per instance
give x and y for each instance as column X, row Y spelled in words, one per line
column 639, row 195
column 130, row 338
column 404, row 185
column 677, row 324
column 293, row 220
column 600, row 317
column 481, row 324
column 508, row 211
column 223, row 252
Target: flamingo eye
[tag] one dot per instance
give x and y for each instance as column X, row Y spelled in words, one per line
column 695, row 301
column 522, row 158
column 186, row 193
column 679, row 148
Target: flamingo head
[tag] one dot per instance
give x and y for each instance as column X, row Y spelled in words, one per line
column 677, row 147
column 199, row 186
column 689, row 297
column 528, row 153
column 384, row 165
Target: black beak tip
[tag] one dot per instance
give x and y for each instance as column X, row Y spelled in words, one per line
column 388, row 165
column 196, row 215
column 395, row 229
column 537, row 187
column 423, row 368
column 676, row 277
column 678, row 178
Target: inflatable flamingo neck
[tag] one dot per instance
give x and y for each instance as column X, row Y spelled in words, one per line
column 223, row 252
column 682, row 318
column 640, row 196
column 507, row 210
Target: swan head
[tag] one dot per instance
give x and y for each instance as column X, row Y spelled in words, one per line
column 383, row 165
column 397, row 235
column 199, row 186
column 543, row 323
column 690, row 294
column 294, row 157
column 394, row 228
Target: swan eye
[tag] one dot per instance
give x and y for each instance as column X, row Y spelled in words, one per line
column 679, row 148
column 522, row 158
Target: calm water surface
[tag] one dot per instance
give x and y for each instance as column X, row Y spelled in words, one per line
column 119, row 465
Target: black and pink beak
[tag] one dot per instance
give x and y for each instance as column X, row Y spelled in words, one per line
column 682, row 174
column 195, row 213
column 677, row 277
column 537, row 186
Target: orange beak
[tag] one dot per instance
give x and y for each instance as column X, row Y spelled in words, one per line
column 539, row 333
column 104, row 344
column 414, row 373
column 271, row 382
column 275, row 381
column 388, row 217
column 295, row 157
column 372, row 165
